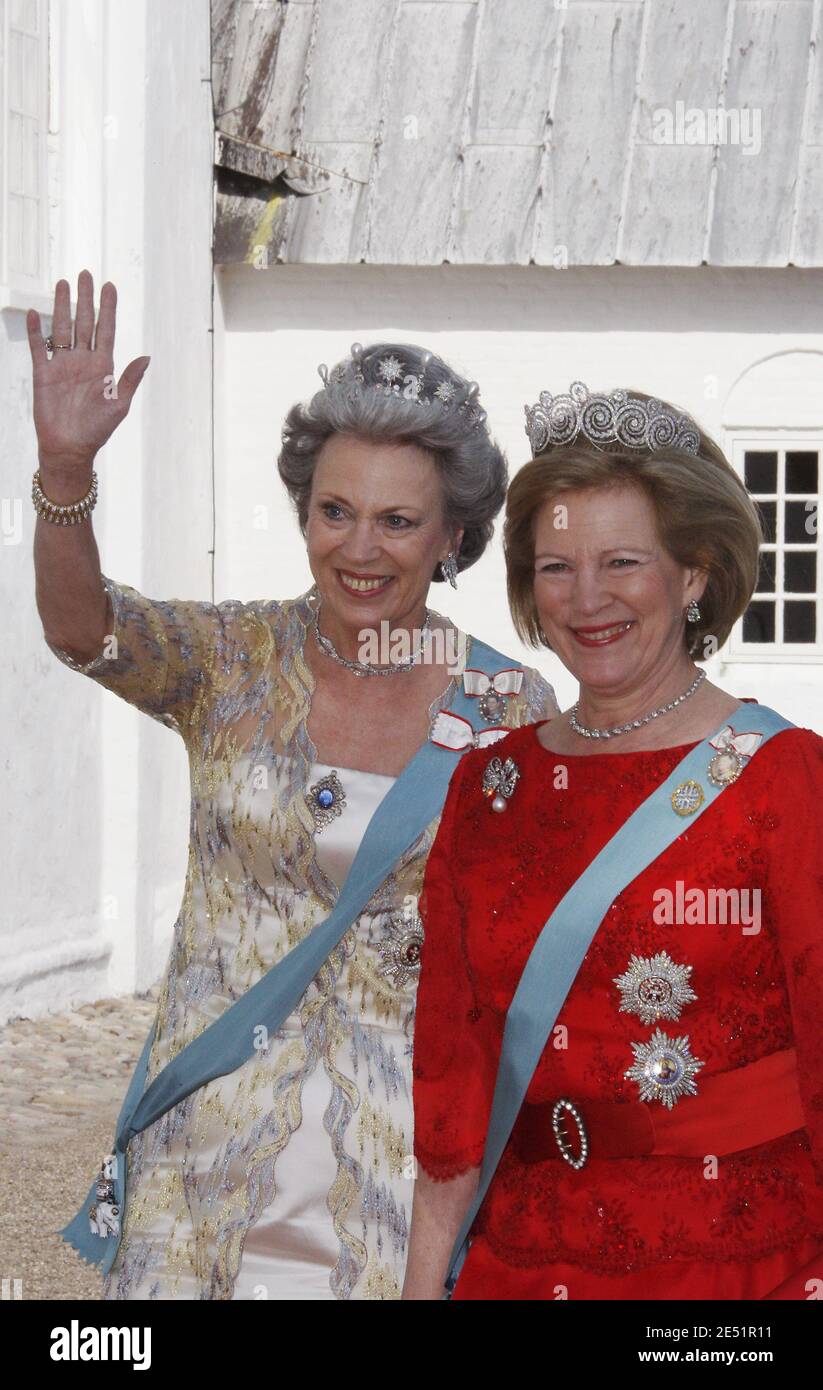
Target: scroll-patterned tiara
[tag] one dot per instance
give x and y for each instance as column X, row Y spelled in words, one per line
column 613, row 419
column 364, row 371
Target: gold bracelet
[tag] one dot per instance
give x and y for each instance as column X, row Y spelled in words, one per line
column 69, row 514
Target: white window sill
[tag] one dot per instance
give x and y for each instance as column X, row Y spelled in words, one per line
column 775, row 658
column 11, row 297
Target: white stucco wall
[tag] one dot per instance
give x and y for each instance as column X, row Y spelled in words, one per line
column 686, row 335
column 95, row 795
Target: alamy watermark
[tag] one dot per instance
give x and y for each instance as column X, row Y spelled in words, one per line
column 438, row 646
column 707, row 907
column 712, row 125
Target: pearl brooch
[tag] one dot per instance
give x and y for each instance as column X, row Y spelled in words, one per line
column 499, row 781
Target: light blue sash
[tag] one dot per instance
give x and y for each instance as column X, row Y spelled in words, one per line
column 558, row 951
column 412, row 802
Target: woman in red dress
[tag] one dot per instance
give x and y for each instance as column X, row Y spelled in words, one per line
column 628, row 560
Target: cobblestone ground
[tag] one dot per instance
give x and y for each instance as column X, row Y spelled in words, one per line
column 62, row 1083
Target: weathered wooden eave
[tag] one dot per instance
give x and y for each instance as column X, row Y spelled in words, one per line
column 516, row 132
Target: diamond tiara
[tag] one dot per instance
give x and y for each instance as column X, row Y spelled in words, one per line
column 391, row 376
column 613, row 419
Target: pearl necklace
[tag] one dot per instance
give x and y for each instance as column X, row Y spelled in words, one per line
column 634, row 723
column 366, row 668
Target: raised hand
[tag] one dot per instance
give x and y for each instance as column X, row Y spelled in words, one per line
column 77, row 401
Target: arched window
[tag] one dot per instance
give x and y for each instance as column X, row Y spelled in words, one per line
column 773, row 432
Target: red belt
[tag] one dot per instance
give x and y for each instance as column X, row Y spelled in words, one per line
column 733, row 1110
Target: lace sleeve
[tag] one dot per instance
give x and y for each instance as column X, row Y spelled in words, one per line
column 537, row 700
column 163, row 655
column 456, row 1044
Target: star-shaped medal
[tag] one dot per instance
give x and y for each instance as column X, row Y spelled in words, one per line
column 664, row 1068
column 654, row 987
column 400, row 950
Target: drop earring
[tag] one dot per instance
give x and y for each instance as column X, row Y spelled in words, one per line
column 693, row 612
column 449, row 568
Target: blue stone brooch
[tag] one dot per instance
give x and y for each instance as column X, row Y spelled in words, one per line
column 326, row 799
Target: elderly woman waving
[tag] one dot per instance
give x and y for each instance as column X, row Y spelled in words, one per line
column 617, row 1055
column 266, row 1137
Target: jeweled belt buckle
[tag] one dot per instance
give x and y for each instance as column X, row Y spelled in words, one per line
column 560, row 1135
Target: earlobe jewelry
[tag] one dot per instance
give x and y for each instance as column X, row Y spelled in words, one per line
column 693, row 612
column 449, row 568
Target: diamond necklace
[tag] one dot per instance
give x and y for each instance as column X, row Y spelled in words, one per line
column 634, row 723
column 366, row 668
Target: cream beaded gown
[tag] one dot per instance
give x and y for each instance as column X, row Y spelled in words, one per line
column 291, row 1177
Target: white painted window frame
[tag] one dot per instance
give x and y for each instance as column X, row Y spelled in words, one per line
column 779, row 441
column 19, row 289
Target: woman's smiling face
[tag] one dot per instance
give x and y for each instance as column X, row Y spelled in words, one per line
column 375, row 529
column 611, row 600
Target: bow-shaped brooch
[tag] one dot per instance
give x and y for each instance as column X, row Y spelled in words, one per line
column 452, row 731
column 492, row 691
column 728, row 762
column 499, row 781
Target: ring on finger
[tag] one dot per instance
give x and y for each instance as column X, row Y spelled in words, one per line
column 52, row 346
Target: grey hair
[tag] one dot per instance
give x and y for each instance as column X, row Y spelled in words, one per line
column 472, row 468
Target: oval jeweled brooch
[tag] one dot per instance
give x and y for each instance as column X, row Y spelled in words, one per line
column 687, row 798
column 492, row 706
column 492, row 692
column 733, row 752
column 326, row 799
column 654, row 987
column 725, row 767
column 664, row 1068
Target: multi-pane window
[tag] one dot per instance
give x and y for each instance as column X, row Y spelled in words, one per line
column 23, row 143
column 786, row 611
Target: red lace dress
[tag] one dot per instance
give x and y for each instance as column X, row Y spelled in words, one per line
column 657, row 1227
